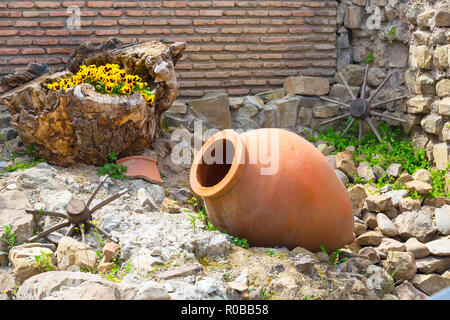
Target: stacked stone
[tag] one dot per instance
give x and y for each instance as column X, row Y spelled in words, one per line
column 372, row 32
column 295, row 107
column 428, row 78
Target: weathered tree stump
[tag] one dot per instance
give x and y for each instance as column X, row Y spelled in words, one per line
column 82, row 125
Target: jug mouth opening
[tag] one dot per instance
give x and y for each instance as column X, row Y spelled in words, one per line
column 218, row 164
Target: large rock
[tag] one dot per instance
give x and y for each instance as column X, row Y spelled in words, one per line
column 64, row 285
column 403, row 262
column 12, row 212
column 419, row 186
column 345, row 163
column 419, row 104
column 365, row 171
column 370, row 238
column 406, row 291
column 433, row 264
column 287, row 110
column 357, row 196
column 416, row 224
column 440, row 247
column 387, row 245
column 441, row 155
column 408, row 204
column 378, row 203
column 353, row 74
column 213, row 108
column 74, row 254
column 62, row 126
column 430, row 283
column 24, row 262
column 422, row 175
column 308, row 86
column 417, row 248
column 443, row 88
column 386, row 226
column 432, row 124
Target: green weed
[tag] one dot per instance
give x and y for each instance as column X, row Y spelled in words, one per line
column 333, row 258
column 9, row 237
column 115, row 171
column 44, row 262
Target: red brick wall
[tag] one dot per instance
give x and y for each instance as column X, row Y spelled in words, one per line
column 240, row 47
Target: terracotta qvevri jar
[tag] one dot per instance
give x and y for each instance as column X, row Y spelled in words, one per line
column 273, row 188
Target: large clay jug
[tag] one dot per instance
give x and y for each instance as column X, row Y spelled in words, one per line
column 273, row 188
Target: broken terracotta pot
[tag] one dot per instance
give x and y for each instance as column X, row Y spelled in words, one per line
column 141, row 167
column 273, row 188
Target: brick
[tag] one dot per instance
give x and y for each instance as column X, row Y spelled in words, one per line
column 255, row 82
column 158, row 13
column 130, row 22
column 19, row 42
column 21, row 60
column 51, row 24
column 203, row 66
column 6, row 52
column 81, row 32
column 204, row 22
column 236, row 48
column 59, row 50
column 157, row 31
column 199, row 4
column 35, row 14
column 107, row 32
column 159, row 22
column 48, row 60
column 248, row 21
column 223, row 4
column 199, row 57
column 235, row 13
column 105, row 23
column 187, row 13
column 21, row 5
column 129, row 31
column 99, row 4
column 64, row 14
column 238, row 92
column 258, row 13
column 26, row 51
column 67, row 4
column 303, row 13
column 26, row 24
column 125, row 4
column 138, row 13
column 232, row 30
column 115, row 13
column 57, row 33
column 223, row 56
column 10, row 14
column 175, row 4
column 300, row 30
column 44, row 42
column 211, row 13
column 180, row 22
column 150, row 4
column 47, row 5
column 280, row 13
column 183, row 31
column 6, row 23
column 225, row 22
column 5, row 33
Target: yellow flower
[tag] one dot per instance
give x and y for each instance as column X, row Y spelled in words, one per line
column 149, row 98
column 109, row 87
column 126, row 90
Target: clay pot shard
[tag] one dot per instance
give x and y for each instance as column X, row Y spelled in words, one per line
column 273, row 188
column 141, row 167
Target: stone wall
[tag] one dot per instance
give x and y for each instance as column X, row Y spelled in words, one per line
column 428, row 78
column 240, row 47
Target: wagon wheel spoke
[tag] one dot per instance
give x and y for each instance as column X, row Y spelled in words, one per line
column 96, row 190
column 71, row 230
column 380, row 86
column 336, row 102
column 360, row 130
column 386, row 116
column 347, row 86
column 363, row 88
column 334, row 119
column 382, row 103
column 373, row 128
column 46, row 213
column 348, row 126
column 103, row 232
column 109, row 200
column 46, row 232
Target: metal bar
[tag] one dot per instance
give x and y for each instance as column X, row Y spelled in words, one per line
column 334, row 119
column 363, row 88
column 106, row 234
column 96, row 190
column 388, row 101
column 373, row 128
column 71, row 230
column 347, row 86
column 336, row 102
column 360, row 130
column 105, row 202
column 47, row 213
column 48, row 231
column 380, row 86
column 348, row 127
column 386, row 116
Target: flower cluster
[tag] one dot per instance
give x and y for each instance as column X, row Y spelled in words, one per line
column 109, row 78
